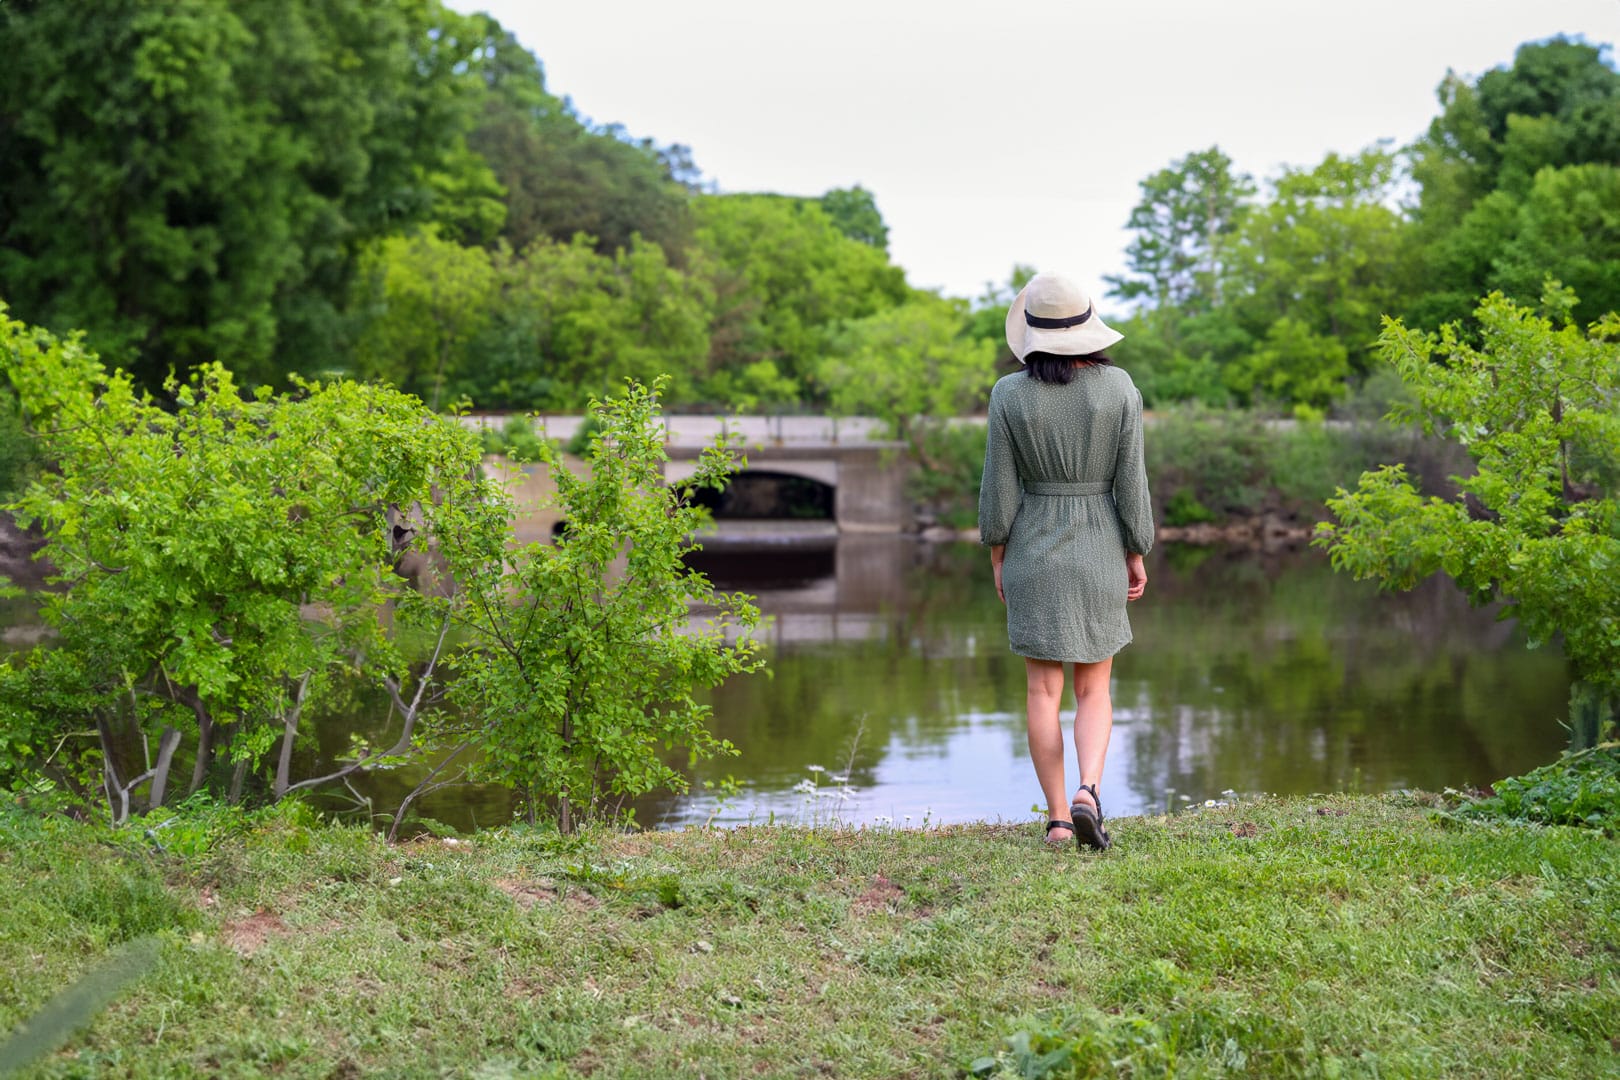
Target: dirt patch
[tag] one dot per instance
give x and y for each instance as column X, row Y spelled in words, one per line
column 580, row 900
column 1245, row 830
column 526, row 894
column 881, row 895
column 248, row 935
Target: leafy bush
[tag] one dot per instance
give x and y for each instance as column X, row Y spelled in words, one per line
column 1581, row 788
column 584, row 657
column 192, row 544
column 1533, row 403
column 1219, row 456
column 950, row 467
column 515, row 440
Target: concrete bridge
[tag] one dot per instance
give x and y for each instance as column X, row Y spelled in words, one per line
column 843, row 476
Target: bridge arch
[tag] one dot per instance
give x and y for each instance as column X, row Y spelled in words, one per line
column 775, row 494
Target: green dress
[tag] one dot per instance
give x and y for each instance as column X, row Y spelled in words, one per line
column 1065, row 488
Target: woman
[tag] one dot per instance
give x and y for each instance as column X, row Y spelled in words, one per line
column 1064, row 510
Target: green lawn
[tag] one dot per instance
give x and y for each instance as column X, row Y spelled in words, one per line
column 1341, row 936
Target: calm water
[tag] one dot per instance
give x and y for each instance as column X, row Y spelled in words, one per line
column 1249, row 672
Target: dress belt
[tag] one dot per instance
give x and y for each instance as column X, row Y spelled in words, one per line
column 1068, row 487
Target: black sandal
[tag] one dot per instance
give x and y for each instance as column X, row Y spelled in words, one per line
column 1050, row 825
column 1088, row 827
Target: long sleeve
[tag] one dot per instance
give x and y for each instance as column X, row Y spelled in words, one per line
column 999, row 492
column 1130, row 482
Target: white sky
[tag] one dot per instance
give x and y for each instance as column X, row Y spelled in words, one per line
column 995, row 133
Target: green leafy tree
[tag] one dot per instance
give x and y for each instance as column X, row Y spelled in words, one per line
column 1185, row 224
column 1557, row 105
column 586, row 653
column 569, row 322
column 1327, row 253
column 783, row 277
column 853, row 211
column 428, row 300
column 1535, row 405
column 562, row 176
column 192, row 182
column 218, row 564
column 908, row 365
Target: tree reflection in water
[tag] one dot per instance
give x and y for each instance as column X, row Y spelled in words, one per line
column 1250, row 671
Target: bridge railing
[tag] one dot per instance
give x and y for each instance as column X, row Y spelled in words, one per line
column 701, row 430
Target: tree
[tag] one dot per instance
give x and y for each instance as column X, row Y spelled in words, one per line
column 1535, row 405
column 428, row 300
column 853, row 212
column 219, row 564
column 908, row 365
column 1556, row 106
column 192, row 182
column 570, row 322
column 782, row 276
column 562, row 176
column 586, row 654
column 1185, row 222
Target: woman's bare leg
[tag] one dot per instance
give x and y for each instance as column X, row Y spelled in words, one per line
column 1093, row 722
column 1046, row 738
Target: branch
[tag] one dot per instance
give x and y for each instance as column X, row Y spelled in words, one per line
column 410, row 713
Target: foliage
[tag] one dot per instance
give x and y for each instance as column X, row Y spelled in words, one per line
column 1185, row 223
column 1581, row 788
column 907, row 363
column 1217, row 457
column 192, row 182
column 947, row 489
column 783, row 277
column 217, row 563
column 564, row 177
column 1532, row 403
column 430, row 299
column 17, row 453
column 515, row 439
column 853, row 211
column 584, row 663
column 570, row 322
column 1497, row 140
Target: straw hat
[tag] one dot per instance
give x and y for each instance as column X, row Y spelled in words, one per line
column 1054, row 315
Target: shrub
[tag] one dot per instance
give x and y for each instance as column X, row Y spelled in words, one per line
column 192, row 543
column 945, row 485
column 1582, row 788
column 584, row 658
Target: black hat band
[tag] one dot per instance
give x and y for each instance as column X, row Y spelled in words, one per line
column 1056, row 324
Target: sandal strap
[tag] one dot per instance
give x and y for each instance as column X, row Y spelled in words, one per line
column 1094, row 798
column 1050, row 825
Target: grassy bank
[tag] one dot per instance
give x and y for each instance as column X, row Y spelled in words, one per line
column 1319, row 937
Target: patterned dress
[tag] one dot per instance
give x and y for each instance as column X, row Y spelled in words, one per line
column 1065, row 488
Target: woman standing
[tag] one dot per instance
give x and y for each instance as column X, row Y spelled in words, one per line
column 1064, row 510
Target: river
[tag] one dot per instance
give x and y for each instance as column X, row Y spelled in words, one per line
column 891, row 697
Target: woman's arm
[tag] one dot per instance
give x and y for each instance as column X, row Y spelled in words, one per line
column 1130, row 482
column 998, row 555
column 999, row 491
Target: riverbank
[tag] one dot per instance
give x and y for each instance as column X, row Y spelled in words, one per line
column 1336, row 936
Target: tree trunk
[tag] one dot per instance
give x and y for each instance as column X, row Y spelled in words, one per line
column 1594, row 715
column 205, row 746
column 167, row 743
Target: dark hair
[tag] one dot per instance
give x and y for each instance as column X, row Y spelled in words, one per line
column 1049, row 367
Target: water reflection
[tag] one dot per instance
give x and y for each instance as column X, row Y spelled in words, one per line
column 889, row 663
column 1252, row 672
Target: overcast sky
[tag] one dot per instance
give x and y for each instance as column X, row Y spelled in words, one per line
column 1002, row 133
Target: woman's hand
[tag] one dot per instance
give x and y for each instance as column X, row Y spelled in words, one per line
column 1135, row 576
column 998, row 555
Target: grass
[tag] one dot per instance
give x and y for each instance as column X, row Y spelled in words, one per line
column 1341, row 936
